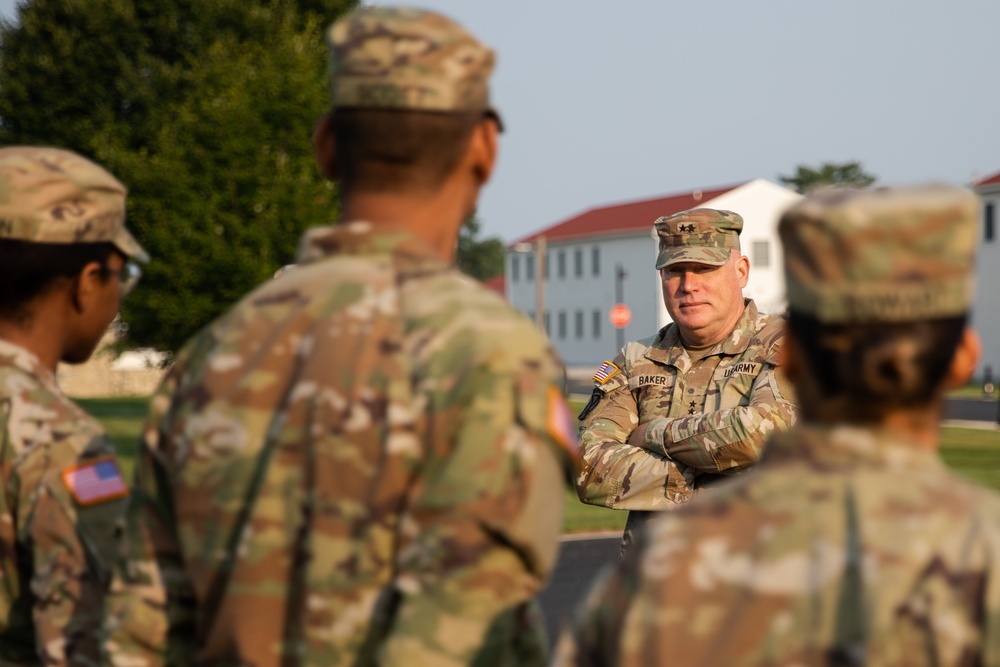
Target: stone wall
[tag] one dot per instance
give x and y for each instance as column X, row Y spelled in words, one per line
column 103, row 377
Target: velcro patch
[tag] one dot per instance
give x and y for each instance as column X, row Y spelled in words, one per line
column 605, row 372
column 95, row 481
column 561, row 424
column 646, row 380
column 743, row 368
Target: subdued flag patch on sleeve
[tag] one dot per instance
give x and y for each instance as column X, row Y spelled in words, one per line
column 561, row 424
column 605, row 372
column 95, row 481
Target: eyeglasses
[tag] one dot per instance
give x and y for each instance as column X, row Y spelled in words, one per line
column 128, row 277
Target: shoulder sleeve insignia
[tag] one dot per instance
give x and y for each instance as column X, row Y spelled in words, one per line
column 95, row 481
column 605, row 372
column 561, row 425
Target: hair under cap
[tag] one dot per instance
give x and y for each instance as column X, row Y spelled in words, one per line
column 48, row 195
column 881, row 255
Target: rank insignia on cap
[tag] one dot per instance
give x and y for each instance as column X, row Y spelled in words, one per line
column 95, row 481
column 605, row 372
column 561, row 424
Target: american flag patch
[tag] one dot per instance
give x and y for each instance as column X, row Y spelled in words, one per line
column 95, row 481
column 603, row 373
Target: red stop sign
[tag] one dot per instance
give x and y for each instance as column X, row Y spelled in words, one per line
column 620, row 315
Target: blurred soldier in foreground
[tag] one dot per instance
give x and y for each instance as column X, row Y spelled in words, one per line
column 692, row 404
column 852, row 544
column 63, row 271
column 364, row 461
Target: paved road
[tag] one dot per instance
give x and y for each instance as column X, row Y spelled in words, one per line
column 580, row 559
column 972, row 409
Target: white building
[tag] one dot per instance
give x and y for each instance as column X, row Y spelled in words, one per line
column 586, row 253
column 986, row 311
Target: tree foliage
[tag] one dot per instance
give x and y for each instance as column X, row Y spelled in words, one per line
column 203, row 108
column 845, row 174
column 480, row 258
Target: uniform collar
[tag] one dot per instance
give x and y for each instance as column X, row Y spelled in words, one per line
column 845, row 446
column 357, row 237
column 668, row 349
column 15, row 356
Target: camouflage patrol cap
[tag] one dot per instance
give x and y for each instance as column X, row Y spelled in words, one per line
column 399, row 58
column 701, row 235
column 884, row 255
column 48, row 195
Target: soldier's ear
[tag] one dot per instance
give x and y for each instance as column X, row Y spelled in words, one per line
column 483, row 150
column 84, row 289
column 325, row 147
column 963, row 364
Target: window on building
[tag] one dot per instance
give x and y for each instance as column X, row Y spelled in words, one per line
column 548, row 329
column 515, row 268
column 548, row 260
column 562, row 324
column 989, row 224
column 761, row 254
column 578, row 322
column 578, row 262
column 597, row 323
column 595, row 260
column 561, row 260
column 529, row 266
column 531, row 315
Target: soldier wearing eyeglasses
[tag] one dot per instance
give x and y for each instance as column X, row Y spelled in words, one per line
column 64, row 268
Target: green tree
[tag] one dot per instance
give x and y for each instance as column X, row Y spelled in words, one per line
column 203, row 108
column 480, row 258
column 846, row 174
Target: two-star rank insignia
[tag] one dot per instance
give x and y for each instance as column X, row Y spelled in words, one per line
column 686, row 228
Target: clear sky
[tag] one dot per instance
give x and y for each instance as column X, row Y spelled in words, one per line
column 612, row 101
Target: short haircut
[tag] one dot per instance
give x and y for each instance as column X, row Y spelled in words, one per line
column 871, row 369
column 28, row 270
column 382, row 150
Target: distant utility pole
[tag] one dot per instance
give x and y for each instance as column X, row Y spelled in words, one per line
column 540, row 252
column 620, row 298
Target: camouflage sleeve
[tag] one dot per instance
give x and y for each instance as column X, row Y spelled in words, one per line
column 725, row 441
column 71, row 547
column 481, row 532
column 149, row 613
column 616, row 474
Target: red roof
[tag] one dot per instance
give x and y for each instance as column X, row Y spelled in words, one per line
column 628, row 217
column 497, row 284
column 989, row 180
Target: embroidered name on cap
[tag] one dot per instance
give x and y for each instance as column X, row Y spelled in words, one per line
column 95, row 481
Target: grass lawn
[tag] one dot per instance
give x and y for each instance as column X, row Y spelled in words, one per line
column 972, row 453
column 972, row 391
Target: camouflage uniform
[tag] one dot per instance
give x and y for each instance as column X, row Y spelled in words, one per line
column 708, row 415
column 850, row 544
column 56, row 540
column 363, row 463
column 56, row 555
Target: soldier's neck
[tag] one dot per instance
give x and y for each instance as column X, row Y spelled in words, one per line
column 41, row 341
column 920, row 426
column 436, row 216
